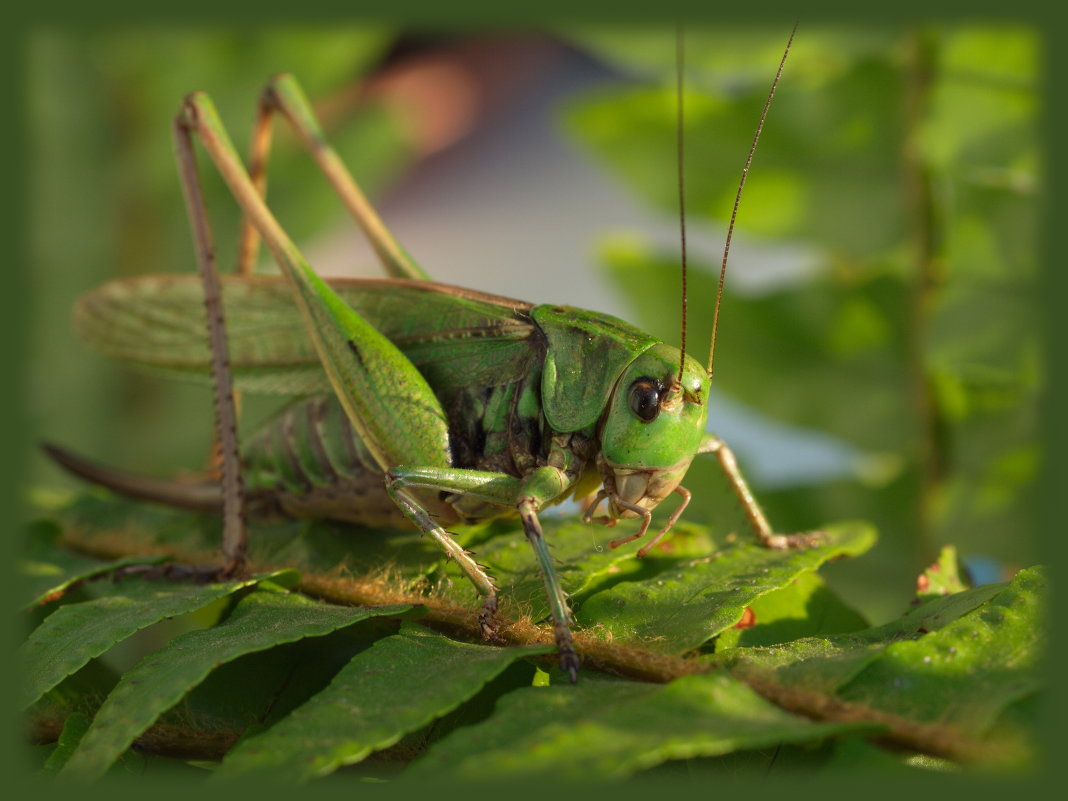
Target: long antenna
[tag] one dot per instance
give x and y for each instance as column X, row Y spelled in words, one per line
column 738, row 198
column 680, row 60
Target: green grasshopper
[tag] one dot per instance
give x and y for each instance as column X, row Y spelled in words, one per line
column 423, row 402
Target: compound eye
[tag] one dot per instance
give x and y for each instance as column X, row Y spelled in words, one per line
column 645, row 399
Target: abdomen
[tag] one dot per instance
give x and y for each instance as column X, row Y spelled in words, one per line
column 310, row 462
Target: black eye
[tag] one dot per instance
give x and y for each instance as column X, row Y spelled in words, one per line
column 645, row 399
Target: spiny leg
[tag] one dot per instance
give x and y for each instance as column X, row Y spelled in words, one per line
column 561, row 614
column 539, row 488
column 248, row 245
column 714, row 445
column 235, row 535
column 385, row 397
column 527, row 496
column 387, row 400
column 487, row 617
column 284, row 96
column 248, row 240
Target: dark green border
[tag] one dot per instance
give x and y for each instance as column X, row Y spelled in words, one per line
column 1054, row 480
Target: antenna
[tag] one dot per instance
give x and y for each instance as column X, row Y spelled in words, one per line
column 680, row 60
column 737, row 200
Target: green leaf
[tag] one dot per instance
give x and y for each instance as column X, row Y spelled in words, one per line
column 823, row 664
column 966, row 673
column 260, row 621
column 828, row 160
column 805, row 607
column 580, row 550
column 940, row 675
column 310, row 546
column 398, row 685
column 49, row 570
column 75, row 727
column 76, row 633
column 677, row 612
column 611, row 729
column 941, row 578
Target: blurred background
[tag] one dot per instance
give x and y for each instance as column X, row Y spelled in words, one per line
column 878, row 355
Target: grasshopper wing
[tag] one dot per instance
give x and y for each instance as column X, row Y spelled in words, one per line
column 454, row 336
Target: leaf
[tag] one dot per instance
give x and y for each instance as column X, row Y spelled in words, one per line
column 398, row 685
column 823, row 664
column 49, row 570
column 81, row 693
column 611, row 729
column 581, row 553
column 680, row 611
column 941, row 578
column 261, row 620
column 966, row 673
column 828, row 158
column 803, row 608
column 940, row 675
column 76, row 633
column 310, row 546
column 75, row 727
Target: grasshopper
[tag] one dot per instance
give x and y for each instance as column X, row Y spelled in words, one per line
column 423, row 402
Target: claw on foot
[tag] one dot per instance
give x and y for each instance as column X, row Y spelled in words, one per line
column 565, row 647
column 569, row 663
column 487, row 619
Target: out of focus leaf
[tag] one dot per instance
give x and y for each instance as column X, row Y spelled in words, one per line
column 964, row 674
column 76, row 633
column 609, row 730
column 942, row 577
column 825, row 663
column 49, row 570
column 260, row 621
column 399, row 684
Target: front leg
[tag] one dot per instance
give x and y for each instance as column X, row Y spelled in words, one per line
column 487, row 622
column 768, row 538
column 527, row 496
column 539, row 488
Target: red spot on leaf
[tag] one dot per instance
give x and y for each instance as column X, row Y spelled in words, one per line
column 52, row 596
column 748, row 619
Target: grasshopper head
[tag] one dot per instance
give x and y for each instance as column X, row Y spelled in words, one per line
column 652, row 430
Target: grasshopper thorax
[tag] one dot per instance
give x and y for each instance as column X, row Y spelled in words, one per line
column 652, row 429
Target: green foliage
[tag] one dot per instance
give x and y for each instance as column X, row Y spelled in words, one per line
column 276, row 683
column 900, row 168
column 415, row 677
column 260, row 620
column 902, row 163
column 72, row 636
column 705, row 596
column 609, row 730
